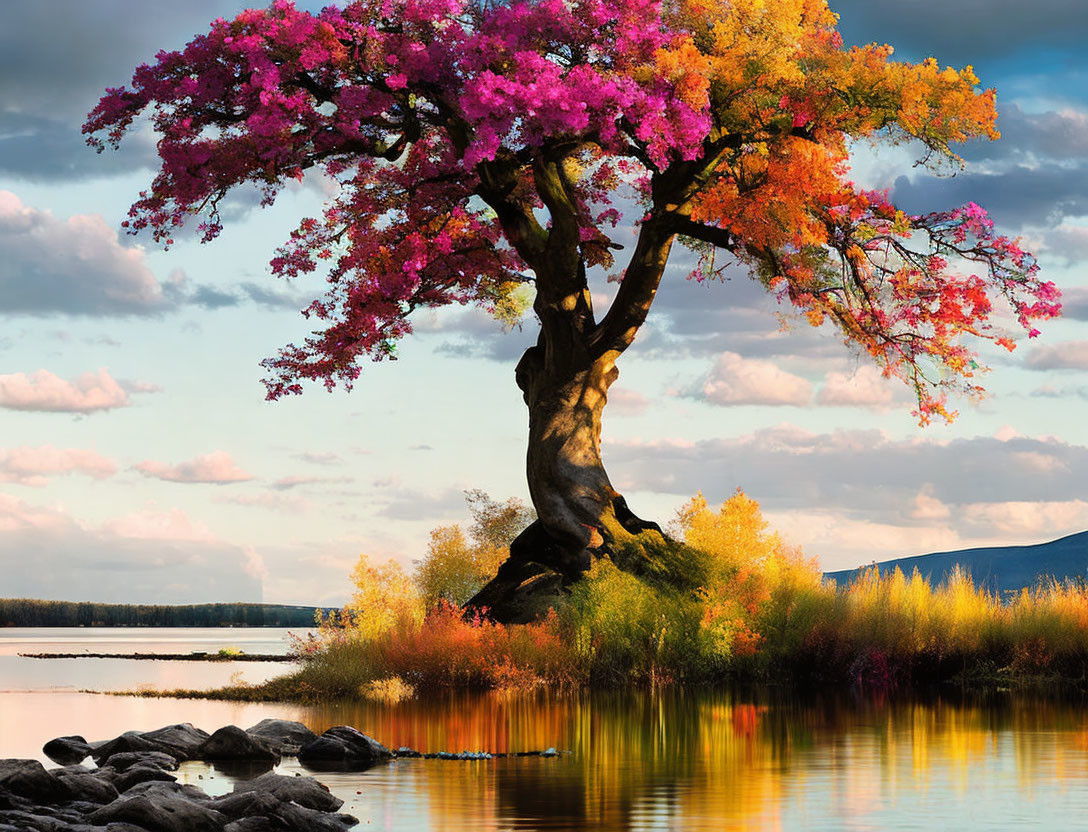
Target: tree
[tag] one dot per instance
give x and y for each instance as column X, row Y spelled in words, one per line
column 479, row 147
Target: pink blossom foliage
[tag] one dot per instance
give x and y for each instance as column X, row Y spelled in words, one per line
column 410, row 105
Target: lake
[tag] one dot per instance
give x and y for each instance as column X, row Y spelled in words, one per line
column 637, row 760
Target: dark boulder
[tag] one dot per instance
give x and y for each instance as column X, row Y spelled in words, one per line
column 282, row 735
column 238, row 805
column 343, row 746
column 232, row 743
column 128, row 742
column 153, row 759
column 160, row 812
column 300, row 819
column 305, row 791
column 87, row 787
column 137, row 774
column 29, row 779
column 164, row 787
column 67, row 750
column 181, row 740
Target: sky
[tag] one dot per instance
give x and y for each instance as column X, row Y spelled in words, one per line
column 139, row 461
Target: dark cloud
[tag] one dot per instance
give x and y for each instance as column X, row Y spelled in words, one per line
column 965, row 31
column 56, row 60
column 791, row 468
column 1049, row 135
column 1017, row 197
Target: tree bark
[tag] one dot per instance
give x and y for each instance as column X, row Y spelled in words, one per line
column 579, row 513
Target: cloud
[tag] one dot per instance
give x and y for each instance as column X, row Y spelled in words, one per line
column 1049, row 135
column 1017, row 196
column 149, row 556
column 860, row 472
column 286, row 483
column 736, row 380
column 1048, row 391
column 1075, row 302
column 964, row 32
column 75, row 266
column 45, row 392
column 624, row 402
column 398, row 502
column 57, row 59
column 865, row 387
column 279, row 503
column 1068, row 355
column 33, row 466
column 217, row 468
column 320, row 457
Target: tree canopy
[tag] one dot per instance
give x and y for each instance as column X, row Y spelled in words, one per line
column 481, row 146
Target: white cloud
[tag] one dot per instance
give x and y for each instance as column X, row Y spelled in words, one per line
column 75, row 266
column 33, row 466
column 46, row 392
column 865, row 387
column 217, row 468
column 624, row 402
column 736, row 380
column 1068, row 355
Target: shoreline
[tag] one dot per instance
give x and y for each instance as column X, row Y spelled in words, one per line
column 172, row 657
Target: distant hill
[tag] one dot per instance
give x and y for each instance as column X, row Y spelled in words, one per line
column 33, row 612
column 1000, row 568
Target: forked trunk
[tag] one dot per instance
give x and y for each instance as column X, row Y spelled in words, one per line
column 578, row 510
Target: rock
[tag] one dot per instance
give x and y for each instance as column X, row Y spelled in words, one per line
column 88, row 787
column 134, row 775
column 66, row 750
column 160, row 812
column 405, row 751
column 282, row 735
column 30, row 822
column 305, row 791
column 131, row 741
column 181, row 740
column 154, row 759
column 258, row 823
column 30, row 780
column 344, row 745
column 8, row 800
column 253, row 803
column 164, row 787
column 232, row 743
column 300, row 819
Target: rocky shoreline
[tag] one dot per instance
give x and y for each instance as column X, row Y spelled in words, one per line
column 132, row 789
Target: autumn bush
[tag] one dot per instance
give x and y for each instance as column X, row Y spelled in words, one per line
column 743, row 605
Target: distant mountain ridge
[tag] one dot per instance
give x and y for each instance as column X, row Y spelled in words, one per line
column 999, row 568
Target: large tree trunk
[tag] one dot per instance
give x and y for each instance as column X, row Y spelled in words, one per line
column 579, row 513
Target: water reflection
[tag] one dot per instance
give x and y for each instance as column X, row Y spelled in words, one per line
column 669, row 760
column 677, row 760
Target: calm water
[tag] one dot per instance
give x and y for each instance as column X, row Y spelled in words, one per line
column 639, row 761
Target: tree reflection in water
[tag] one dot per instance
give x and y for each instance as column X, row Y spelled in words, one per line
column 726, row 760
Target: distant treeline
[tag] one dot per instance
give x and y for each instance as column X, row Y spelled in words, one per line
column 31, row 612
